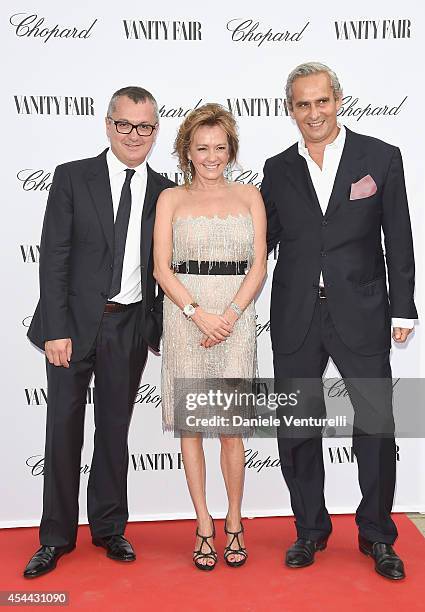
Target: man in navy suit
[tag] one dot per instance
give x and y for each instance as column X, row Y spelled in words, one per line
column 328, row 197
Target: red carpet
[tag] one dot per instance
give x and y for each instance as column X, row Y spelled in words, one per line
column 164, row 578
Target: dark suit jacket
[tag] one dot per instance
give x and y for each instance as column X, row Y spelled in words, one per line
column 345, row 244
column 76, row 256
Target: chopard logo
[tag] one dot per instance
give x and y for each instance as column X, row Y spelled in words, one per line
column 258, row 107
column 32, row 25
column 36, row 464
column 30, row 253
column 156, row 461
column 371, row 29
column 262, row 327
column 34, row 180
column 162, row 30
column 351, row 108
column 246, row 30
column 247, row 177
column 146, row 394
column 177, row 111
column 54, row 105
column 336, row 387
column 258, row 464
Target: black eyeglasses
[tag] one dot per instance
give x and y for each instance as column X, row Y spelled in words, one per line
column 142, row 129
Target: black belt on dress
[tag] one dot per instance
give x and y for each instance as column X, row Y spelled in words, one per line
column 208, row 267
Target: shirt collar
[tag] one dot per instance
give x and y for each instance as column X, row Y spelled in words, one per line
column 337, row 144
column 115, row 166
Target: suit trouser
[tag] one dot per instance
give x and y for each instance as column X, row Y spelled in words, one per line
column 116, row 359
column 302, row 457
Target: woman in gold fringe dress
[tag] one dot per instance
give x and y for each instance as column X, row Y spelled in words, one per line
column 210, row 260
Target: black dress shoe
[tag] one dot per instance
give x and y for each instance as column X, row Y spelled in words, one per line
column 387, row 562
column 301, row 554
column 117, row 547
column 45, row 560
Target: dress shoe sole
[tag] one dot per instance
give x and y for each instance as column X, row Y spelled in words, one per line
column 50, row 569
column 319, row 548
column 112, row 556
column 40, row 573
column 299, row 566
column 368, row 554
column 120, row 559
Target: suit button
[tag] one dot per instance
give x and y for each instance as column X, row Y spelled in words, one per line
column 323, row 253
column 324, row 222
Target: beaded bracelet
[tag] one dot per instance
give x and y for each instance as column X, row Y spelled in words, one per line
column 236, row 309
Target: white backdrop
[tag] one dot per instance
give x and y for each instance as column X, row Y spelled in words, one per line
column 61, row 62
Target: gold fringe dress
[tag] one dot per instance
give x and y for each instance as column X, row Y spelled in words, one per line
column 211, row 239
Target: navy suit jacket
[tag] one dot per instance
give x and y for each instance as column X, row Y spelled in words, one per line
column 344, row 243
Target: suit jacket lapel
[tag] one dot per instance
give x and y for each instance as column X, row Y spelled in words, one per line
column 153, row 190
column 100, row 191
column 349, row 171
column 299, row 176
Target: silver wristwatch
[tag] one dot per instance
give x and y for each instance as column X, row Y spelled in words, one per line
column 189, row 310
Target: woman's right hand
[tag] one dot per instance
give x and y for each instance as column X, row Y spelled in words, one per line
column 216, row 327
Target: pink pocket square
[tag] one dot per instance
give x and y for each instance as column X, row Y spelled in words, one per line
column 364, row 188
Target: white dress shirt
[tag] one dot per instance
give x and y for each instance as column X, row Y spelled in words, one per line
column 131, row 283
column 323, row 180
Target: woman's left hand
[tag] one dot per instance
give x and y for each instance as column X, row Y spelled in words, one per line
column 207, row 342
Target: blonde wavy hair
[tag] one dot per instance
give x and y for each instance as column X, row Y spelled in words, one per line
column 210, row 115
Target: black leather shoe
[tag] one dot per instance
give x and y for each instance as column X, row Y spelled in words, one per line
column 387, row 562
column 117, row 547
column 301, row 554
column 45, row 560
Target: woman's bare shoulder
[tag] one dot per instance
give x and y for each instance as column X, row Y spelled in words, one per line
column 172, row 193
column 245, row 192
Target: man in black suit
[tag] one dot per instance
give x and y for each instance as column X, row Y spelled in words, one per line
column 328, row 197
column 97, row 314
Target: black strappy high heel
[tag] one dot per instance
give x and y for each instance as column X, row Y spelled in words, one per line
column 228, row 551
column 198, row 554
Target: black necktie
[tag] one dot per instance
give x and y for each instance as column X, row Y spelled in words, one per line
column 120, row 233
